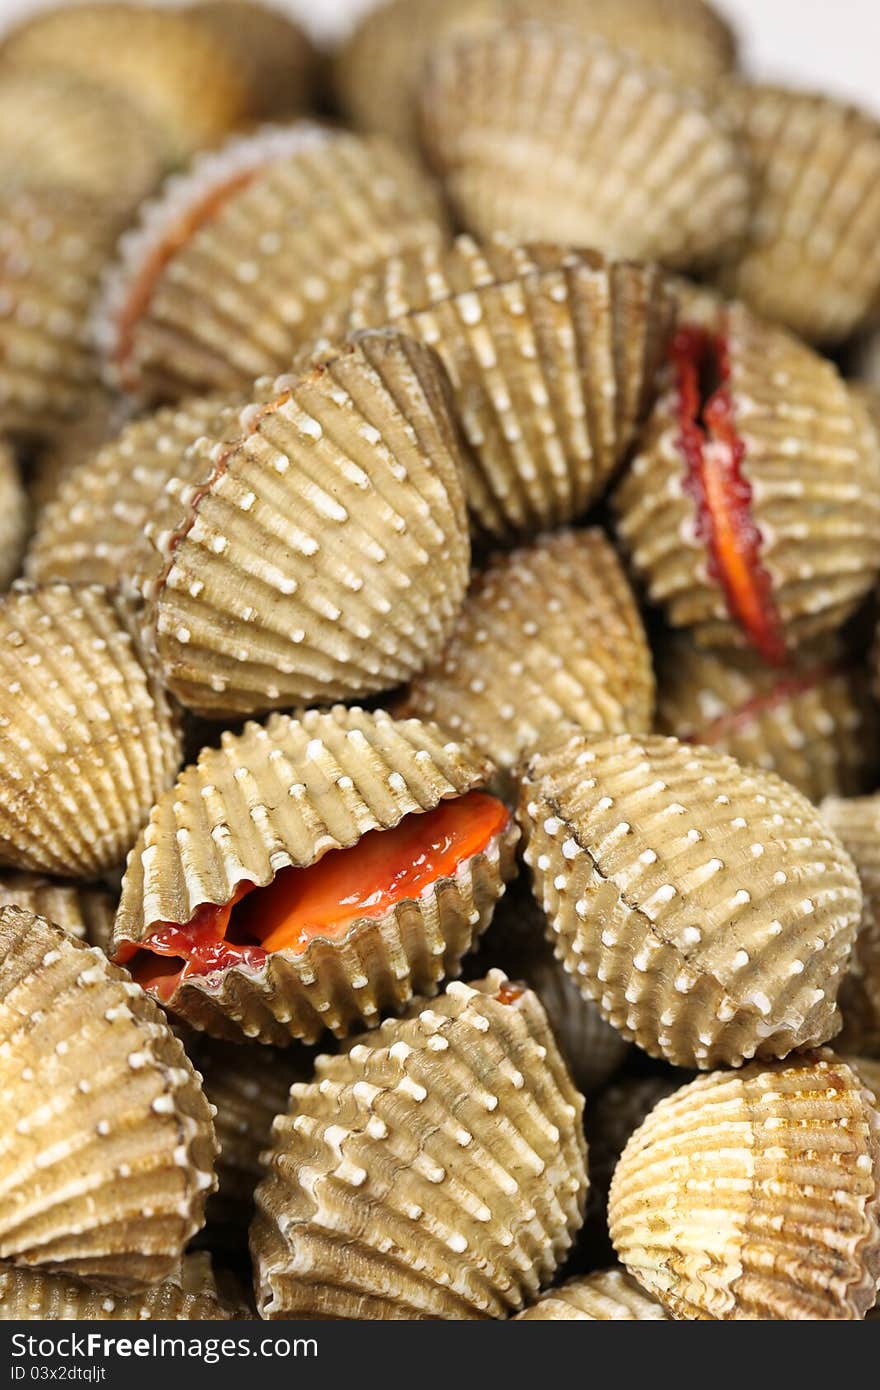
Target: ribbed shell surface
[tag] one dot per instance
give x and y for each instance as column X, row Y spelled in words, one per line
column 434, row 1170
column 88, row 737
column 611, row 1117
column 543, row 134
column 324, row 555
column 32, row 1295
column 857, row 822
column 703, row 905
column 84, row 912
column 754, row 1195
column 610, row 1295
column 108, row 1148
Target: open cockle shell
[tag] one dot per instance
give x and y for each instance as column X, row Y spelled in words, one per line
column 552, row 355
column 549, row 635
column 88, row 738
column 543, row 134
column 284, row 794
column 189, row 1295
column 812, row 258
column 611, row 1295
column 856, row 821
column 802, row 498
column 234, row 264
column 436, row 1169
column 324, row 554
column 108, row 1148
column 85, row 912
column 703, row 905
column 756, row 1194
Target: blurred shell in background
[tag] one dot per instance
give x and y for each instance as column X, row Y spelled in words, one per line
column 85, row 912
column 191, row 1295
column 611, row 1295
column 277, row 59
column 857, row 822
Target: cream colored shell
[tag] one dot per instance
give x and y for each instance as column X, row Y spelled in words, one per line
column 435, row 1169
column 85, row 912
column 611, row 1295
column 703, row 905
column 857, row 822
column 190, row 1295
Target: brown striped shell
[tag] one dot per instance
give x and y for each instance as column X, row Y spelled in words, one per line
column 812, row 471
column 552, row 356
column 812, row 722
column 283, row 794
column 436, row 1169
column 14, row 515
column 856, row 821
column 549, row 635
column 611, row 1295
column 272, row 51
column 756, row 1194
column 108, row 1150
column 547, row 135
column 189, row 1295
column 324, row 554
column 703, row 905
column 85, row 912
column 812, row 259
column 88, row 739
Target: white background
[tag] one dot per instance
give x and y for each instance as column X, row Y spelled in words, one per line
column 832, row 44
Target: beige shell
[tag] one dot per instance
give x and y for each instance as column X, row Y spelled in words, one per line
column 85, row 912
column 14, row 515
column 283, row 794
column 703, row 905
column 234, row 264
column 611, row 1295
column 54, row 245
column 857, row 823
column 812, row 260
column 549, row 635
column 546, row 135
column 325, row 554
column 183, row 79
column 434, row 1170
column 108, row 1148
column 190, row 1295
column 92, row 531
column 812, row 472
column 273, row 53
column 756, row 1194
column 552, row 356
column 58, row 130
column 812, row 722
column 88, row 739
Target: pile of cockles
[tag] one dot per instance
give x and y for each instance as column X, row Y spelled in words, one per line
column 439, row 742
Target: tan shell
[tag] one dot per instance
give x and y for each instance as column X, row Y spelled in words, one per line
column 864, row 358
column 703, row 905
column 768, row 1181
column 273, row 53
column 813, row 465
column 88, row 739
column 813, row 722
column 813, row 257
column 285, row 793
column 868, row 1070
column 14, row 516
column 93, row 530
column 549, row 635
column 434, row 1170
column 58, row 130
column 611, row 1295
column 552, row 356
column 54, row 245
column 234, row 264
column 325, row 554
column 515, row 942
column 108, row 1148
column 83, row 912
column 546, row 135
column 612, row 1116
column 857, row 823
column 182, row 78
column 190, row 1295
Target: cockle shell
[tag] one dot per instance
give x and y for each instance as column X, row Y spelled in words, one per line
column 549, row 635
column 274, row 54
column 552, row 356
column 812, row 722
column 190, row 1295
column 324, row 552
column 14, row 515
column 868, row 1070
column 611, row 1295
column 182, row 77
column 703, row 905
column 812, row 260
column 546, row 135
column 811, row 470
column 856, row 821
column 88, row 739
column 283, row 794
column 85, row 912
column 756, row 1194
column 436, row 1169
column 234, row 264
column 108, row 1148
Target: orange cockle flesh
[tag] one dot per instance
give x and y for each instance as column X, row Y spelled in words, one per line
column 383, row 869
